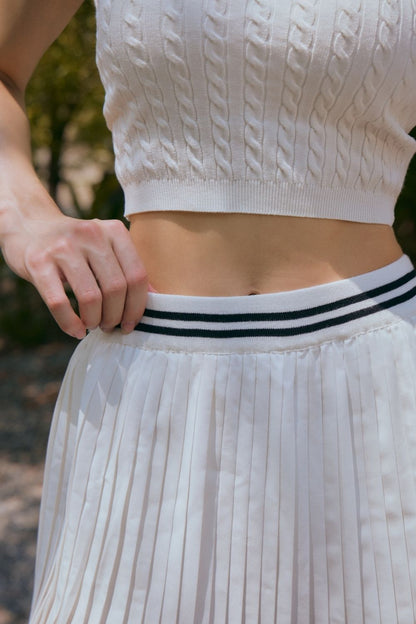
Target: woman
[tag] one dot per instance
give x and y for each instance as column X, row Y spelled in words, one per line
column 227, row 458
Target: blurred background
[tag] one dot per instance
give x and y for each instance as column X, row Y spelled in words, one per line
column 73, row 156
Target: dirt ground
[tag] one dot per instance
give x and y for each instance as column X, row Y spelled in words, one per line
column 29, row 383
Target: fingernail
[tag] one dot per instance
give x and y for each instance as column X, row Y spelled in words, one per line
column 126, row 328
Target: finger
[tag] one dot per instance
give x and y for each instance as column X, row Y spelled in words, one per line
column 50, row 287
column 113, row 287
column 96, row 279
column 83, row 283
column 136, row 279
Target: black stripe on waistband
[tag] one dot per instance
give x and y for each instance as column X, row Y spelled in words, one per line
column 274, row 331
column 281, row 316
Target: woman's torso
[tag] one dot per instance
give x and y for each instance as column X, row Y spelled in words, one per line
column 226, row 255
column 222, row 110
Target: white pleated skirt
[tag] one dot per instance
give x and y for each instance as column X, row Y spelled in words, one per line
column 238, row 460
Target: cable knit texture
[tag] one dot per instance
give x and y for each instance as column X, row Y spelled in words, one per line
column 260, row 106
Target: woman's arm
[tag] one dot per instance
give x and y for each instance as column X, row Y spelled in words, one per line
column 96, row 258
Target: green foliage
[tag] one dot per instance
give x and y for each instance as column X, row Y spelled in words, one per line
column 24, row 319
column 65, row 98
column 405, row 222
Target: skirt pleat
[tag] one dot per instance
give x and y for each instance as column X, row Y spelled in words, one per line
column 193, row 479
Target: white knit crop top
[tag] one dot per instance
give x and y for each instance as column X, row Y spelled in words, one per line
column 294, row 107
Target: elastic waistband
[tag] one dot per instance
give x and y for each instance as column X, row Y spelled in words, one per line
column 282, row 320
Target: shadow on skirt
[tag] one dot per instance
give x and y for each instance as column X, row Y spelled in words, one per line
column 239, row 460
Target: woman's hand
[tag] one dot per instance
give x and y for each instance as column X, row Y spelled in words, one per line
column 97, row 259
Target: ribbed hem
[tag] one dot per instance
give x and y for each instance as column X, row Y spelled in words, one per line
column 278, row 321
column 259, row 197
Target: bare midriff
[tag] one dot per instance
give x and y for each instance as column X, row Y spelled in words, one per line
column 241, row 254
